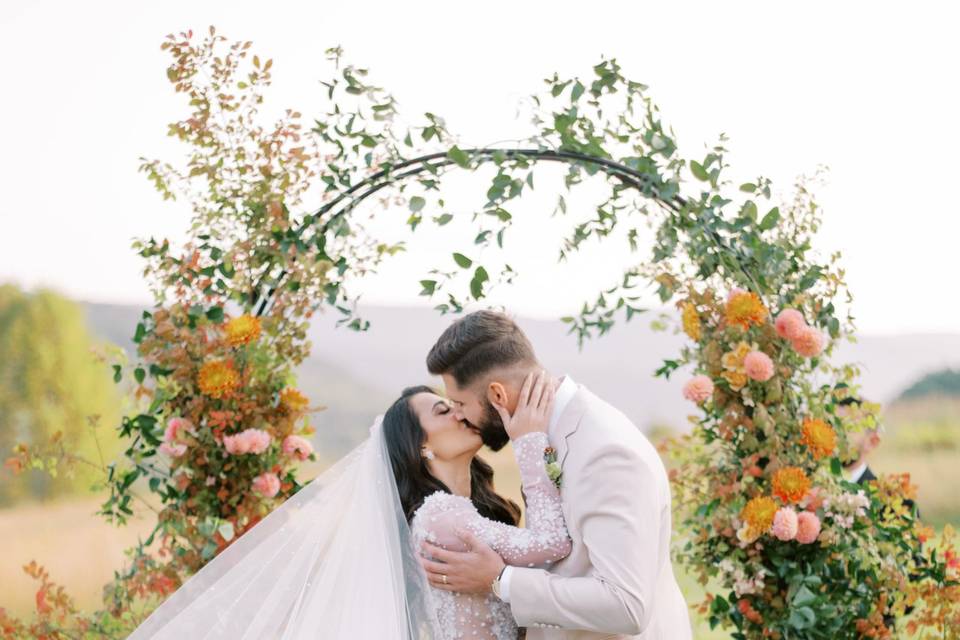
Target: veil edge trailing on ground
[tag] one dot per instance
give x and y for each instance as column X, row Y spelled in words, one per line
column 333, row 561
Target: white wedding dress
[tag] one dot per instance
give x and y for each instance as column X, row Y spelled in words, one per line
column 541, row 543
column 337, row 560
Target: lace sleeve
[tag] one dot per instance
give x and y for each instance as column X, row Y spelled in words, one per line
column 543, row 541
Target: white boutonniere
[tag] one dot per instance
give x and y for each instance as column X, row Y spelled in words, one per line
column 554, row 471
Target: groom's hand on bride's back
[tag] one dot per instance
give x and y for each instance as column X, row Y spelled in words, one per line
column 471, row 571
column 534, row 406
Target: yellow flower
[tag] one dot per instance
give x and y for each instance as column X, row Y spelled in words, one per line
column 732, row 361
column 218, row 378
column 293, row 400
column 790, row 484
column 242, row 330
column 819, row 437
column 691, row 321
column 744, row 309
column 737, row 380
column 758, row 516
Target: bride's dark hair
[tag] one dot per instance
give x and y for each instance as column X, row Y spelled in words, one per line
column 405, row 437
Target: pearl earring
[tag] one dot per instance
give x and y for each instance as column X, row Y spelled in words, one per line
column 428, row 454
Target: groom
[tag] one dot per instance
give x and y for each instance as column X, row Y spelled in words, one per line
column 617, row 581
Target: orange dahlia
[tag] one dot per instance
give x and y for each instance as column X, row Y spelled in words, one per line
column 819, row 437
column 758, row 514
column 293, row 400
column 790, row 484
column 745, row 308
column 691, row 321
column 242, row 330
column 218, row 378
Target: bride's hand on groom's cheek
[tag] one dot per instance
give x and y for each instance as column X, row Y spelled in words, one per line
column 470, row 571
column 534, row 406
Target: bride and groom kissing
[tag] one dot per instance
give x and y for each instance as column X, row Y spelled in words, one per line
column 406, row 537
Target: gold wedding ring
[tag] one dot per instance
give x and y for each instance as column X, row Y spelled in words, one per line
column 444, row 576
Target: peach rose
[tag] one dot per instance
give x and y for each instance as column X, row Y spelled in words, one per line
column 297, row 446
column 266, row 484
column 758, row 366
column 175, row 427
column 785, row 524
column 808, row 527
column 789, row 323
column 173, row 450
column 808, row 342
column 698, row 388
column 248, row 441
column 813, row 500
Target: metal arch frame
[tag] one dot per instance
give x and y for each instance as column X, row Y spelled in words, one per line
column 408, row 168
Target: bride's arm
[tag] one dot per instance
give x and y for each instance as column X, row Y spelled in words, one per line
column 543, row 541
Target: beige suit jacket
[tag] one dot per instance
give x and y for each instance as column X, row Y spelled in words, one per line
column 618, row 581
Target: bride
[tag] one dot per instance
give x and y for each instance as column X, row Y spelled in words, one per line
column 340, row 558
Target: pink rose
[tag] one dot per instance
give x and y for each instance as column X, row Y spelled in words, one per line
column 808, row 527
column 808, row 342
column 247, row 441
column 176, row 426
column 789, row 323
column 173, row 450
column 698, row 388
column 785, row 524
column 298, row 447
column 266, row 484
column 758, row 366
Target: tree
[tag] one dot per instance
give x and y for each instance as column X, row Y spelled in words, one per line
column 52, row 382
column 945, row 382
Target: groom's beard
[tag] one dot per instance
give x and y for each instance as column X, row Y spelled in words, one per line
column 492, row 432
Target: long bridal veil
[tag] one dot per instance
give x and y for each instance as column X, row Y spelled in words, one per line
column 333, row 561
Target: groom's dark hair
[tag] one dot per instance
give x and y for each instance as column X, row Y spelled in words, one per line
column 478, row 343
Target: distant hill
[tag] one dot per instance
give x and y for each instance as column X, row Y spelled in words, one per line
column 357, row 374
column 945, row 382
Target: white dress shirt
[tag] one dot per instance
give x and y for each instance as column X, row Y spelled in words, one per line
column 857, row 472
column 565, row 393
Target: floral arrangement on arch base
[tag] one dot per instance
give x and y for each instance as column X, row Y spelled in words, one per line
column 787, row 546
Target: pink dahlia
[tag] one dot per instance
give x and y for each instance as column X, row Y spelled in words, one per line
column 789, row 323
column 698, row 388
column 808, row 342
column 808, row 527
column 785, row 524
column 298, row 447
column 266, row 484
column 758, row 366
column 247, row 441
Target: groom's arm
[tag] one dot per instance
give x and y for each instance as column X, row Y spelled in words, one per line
column 620, row 526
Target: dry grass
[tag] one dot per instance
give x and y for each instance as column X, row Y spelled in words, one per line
column 80, row 550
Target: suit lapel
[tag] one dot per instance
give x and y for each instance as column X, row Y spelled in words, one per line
column 568, row 423
column 866, row 476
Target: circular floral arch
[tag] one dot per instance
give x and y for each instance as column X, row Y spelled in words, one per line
column 784, row 546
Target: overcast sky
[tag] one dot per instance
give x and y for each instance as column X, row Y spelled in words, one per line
column 868, row 89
